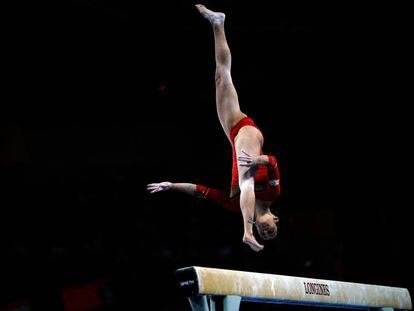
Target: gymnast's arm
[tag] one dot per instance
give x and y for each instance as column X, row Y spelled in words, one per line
column 249, row 161
column 267, row 160
column 169, row 186
column 198, row 191
column 274, row 176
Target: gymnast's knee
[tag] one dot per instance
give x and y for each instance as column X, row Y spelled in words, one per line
column 246, row 184
column 222, row 75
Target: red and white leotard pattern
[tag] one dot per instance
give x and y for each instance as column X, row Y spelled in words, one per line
column 266, row 180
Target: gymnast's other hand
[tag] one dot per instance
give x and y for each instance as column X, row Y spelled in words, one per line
column 247, row 160
column 159, row 187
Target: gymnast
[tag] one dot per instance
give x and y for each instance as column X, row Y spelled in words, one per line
column 255, row 181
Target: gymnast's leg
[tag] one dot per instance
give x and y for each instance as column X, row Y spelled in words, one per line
column 227, row 102
column 229, row 114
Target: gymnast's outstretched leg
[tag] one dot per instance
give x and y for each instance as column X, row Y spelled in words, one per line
column 227, row 102
column 229, row 114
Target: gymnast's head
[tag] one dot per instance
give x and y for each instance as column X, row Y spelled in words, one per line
column 266, row 224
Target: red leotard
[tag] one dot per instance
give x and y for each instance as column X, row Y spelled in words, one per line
column 266, row 180
column 267, row 186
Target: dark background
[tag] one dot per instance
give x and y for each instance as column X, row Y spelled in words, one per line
column 103, row 97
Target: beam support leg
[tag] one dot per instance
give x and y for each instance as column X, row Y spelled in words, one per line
column 214, row 303
column 198, row 303
column 225, row 303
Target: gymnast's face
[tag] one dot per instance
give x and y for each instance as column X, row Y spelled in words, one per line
column 267, row 226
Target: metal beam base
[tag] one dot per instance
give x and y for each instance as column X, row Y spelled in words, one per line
column 215, row 303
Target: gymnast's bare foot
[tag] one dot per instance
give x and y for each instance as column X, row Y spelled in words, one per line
column 251, row 241
column 215, row 18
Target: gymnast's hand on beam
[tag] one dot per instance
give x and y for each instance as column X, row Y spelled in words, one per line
column 159, row 187
column 247, row 160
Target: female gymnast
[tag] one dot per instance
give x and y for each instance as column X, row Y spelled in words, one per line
column 255, row 176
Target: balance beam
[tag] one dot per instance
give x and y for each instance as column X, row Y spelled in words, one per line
column 211, row 289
